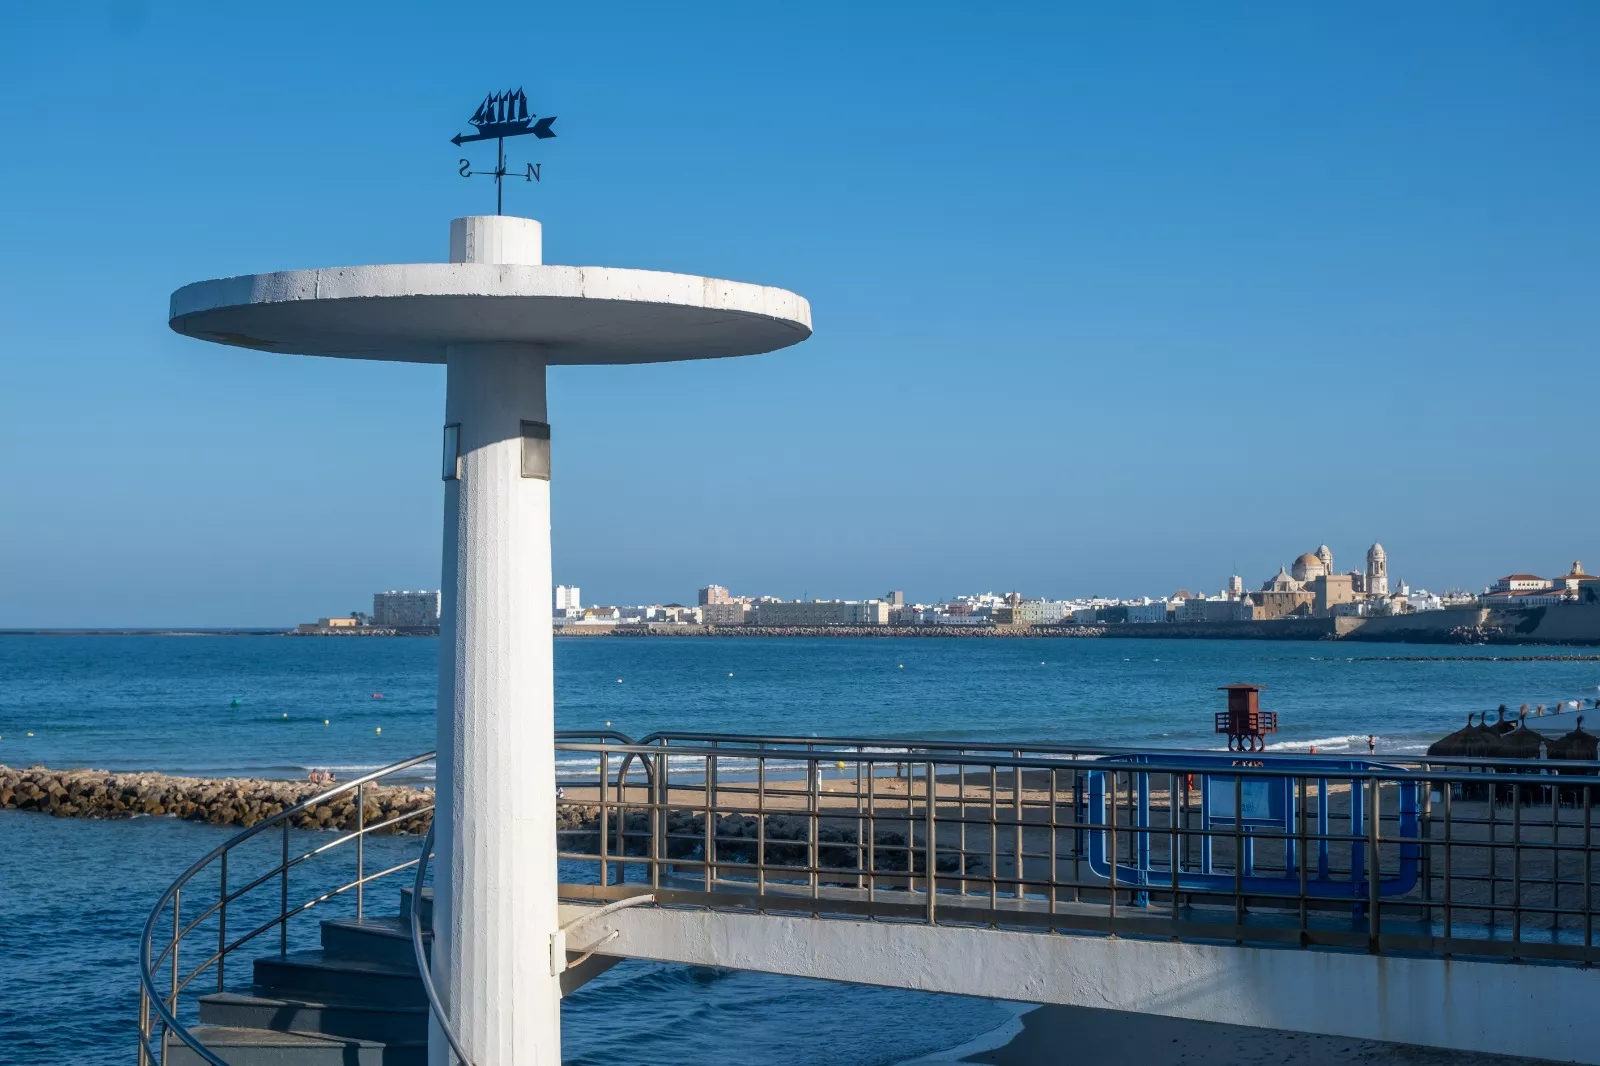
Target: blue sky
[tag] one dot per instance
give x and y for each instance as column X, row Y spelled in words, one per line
column 1109, row 298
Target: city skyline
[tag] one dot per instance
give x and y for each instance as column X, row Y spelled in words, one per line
column 1126, row 303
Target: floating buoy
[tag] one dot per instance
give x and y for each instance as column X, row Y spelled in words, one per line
column 902, row 666
column 619, row 680
column 286, row 714
column 730, row 673
column 608, row 724
column 324, row 721
column 30, row 734
column 378, row 730
column 377, row 695
column 235, row 703
column 840, row 764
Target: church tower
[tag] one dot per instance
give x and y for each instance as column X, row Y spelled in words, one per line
column 1377, row 583
column 1326, row 556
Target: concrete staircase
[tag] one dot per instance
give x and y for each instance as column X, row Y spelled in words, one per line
column 358, row 1001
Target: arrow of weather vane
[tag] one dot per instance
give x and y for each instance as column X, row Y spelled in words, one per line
column 503, row 115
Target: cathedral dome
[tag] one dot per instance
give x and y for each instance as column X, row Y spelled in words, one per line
column 1307, row 567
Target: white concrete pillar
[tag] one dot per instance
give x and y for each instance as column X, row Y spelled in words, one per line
column 495, row 878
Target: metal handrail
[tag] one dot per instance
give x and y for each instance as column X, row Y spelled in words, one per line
column 687, row 864
column 656, row 749
column 164, row 1004
column 1161, row 761
column 423, row 966
column 666, row 738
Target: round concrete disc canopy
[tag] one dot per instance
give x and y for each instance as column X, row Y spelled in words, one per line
column 412, row 312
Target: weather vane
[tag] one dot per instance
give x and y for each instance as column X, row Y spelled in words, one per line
column 503, row 115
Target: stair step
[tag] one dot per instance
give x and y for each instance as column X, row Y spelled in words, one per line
column 317, row 974
column 261, row 1047
column 324, row 1015
column 377, row 939
column 427, row 905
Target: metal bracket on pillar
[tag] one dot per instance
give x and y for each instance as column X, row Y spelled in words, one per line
column 558, row 939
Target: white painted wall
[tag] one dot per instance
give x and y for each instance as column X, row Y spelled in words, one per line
column 1507, row 1008
column 495, row 909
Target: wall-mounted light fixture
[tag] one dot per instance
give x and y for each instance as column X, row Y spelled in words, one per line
column 451, row 470
column 536, row 450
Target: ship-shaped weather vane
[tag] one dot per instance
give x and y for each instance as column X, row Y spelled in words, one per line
column 503, row 115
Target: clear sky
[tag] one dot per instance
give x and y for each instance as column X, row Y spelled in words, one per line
column 1109, row 298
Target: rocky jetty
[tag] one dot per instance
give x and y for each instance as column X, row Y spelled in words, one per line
column 220, row 801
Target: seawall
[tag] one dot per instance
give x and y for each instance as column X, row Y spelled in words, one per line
column 1568, row 623
column 1277, row 629
column 936, row 632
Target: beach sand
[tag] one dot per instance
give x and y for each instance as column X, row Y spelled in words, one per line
column 1085, row 1037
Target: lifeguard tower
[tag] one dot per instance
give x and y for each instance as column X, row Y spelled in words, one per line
column 1247, row 726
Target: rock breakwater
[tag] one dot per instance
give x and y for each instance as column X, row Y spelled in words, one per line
column 218, row 801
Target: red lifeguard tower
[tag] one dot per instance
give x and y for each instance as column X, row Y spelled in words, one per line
column 1246, row 724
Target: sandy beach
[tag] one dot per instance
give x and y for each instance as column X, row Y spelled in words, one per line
column 1085, row 1037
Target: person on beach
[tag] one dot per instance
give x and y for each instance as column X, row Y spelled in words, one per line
column 315, row 776
column 1372, row 744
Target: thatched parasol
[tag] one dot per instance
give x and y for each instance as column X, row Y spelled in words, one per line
column 1520, row 743
column 1576, row 745
column 1466, row 742
column 1501, row 727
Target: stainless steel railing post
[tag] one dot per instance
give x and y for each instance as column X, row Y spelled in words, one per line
column 144, row 1025
column 1374, row 872
column 361, row 850
column 177, row 933
column 931, row 843
column 222, row 923
column 605, row 771
column 283, row 896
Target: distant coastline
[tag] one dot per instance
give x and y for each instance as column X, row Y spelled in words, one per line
column 1576, row 625
column 177, row 631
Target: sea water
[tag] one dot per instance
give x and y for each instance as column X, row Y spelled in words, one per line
column 74, row 894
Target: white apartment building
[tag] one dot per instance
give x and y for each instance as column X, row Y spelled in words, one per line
column 725, row 614
column 567, row 598
column 402, row 608
column 821, row 613
column 1041, row 612
column 1147, row 612
column 1521, row 583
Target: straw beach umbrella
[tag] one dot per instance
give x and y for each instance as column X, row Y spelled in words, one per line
column 1468, row 741
column 1501, row 727
column 1577, row 744
column 1520, row 743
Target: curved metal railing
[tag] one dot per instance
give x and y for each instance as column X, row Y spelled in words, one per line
column 424, row 968
column 156, row 1034
column 162, row 976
